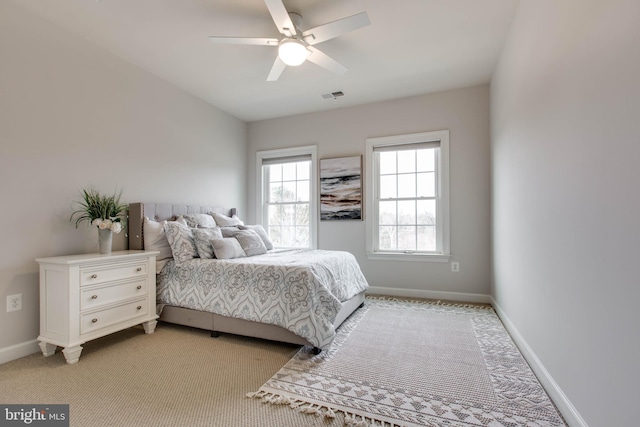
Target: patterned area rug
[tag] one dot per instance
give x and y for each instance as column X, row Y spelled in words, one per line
column 403, row 363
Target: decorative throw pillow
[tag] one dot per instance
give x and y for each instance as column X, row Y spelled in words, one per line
column 229, row 231
column 155, row 239
column 225, row 221
column 203, row 237
column 227, row 248
column 181, row 240
column 261, row 232
column 250, row 242
column 200, row 220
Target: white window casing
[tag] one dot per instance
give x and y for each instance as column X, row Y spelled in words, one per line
column 287, row 155
column 439, row 139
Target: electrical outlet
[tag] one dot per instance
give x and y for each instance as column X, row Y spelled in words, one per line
column 14, row 302
column 455, row 266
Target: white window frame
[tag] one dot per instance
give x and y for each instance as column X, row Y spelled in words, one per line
column 313, row 202
column 443, row 252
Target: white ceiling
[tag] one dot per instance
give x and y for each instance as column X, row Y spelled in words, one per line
column 411, row 47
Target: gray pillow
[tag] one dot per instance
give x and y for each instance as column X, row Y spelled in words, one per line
column 203, row 237
column 181, row 241
column 261, row 232
column 229, row 231
column 250, row 242
column 227, row 248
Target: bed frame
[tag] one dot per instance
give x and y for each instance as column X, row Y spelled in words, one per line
column 210, row 321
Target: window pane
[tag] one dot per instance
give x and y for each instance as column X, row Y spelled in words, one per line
column 302, row 237
column 406, row 161
column 303, row 191
column 387, row 213
column 275, row 214
column 302, row 215
column 289, row 191
column 387, row 162
column 426, row 212
column 275, row 173
column 426, row 184
column 406, row 185
column 387, row 238
column 388, row 187
column 288, row 171
column 426, row 160
column 406, row 238
column 427, row 238
column 275, row 192
column 274, row 235
column 303, row 170
column 407, row 212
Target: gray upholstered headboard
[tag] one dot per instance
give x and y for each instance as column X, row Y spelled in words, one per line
column 161, row 212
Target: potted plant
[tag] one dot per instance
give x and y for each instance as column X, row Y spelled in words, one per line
column 106, row 212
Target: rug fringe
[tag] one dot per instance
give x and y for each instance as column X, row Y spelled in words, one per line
column 350, row 420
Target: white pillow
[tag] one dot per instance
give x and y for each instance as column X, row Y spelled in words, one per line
column 155, row 239
column 261, row 232
column 181, row 240
column 203, row 237
column 227, row 248
column 200, row 220
column 225, row 221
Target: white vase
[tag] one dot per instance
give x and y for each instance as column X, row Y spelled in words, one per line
column 105, row 237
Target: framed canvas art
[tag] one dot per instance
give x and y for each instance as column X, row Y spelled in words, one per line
column 341, row 188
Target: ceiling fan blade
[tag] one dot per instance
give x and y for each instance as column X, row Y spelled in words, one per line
column 325, row 61
column 276, row 70
column 260, row 41
column 281, row 17
column 336, row 28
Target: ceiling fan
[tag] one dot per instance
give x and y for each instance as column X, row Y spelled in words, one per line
column 295, row 46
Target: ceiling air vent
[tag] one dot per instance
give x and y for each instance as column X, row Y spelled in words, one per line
column 332, row 95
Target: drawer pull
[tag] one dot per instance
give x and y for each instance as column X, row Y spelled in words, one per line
column 94, row 320
column 94, row 296
column 139, row 287
column 139, row 269
column 93, row 276
column 139, row 307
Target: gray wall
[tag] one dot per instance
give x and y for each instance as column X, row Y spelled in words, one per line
column 72, row 115
column 565, row 125
column 342, row 132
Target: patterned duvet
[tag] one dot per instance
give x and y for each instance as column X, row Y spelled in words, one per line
column 300, row 290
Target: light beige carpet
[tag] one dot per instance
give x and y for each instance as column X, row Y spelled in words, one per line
column 416, row 364
column 176, row 376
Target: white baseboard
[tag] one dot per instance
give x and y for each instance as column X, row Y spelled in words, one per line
column 17, row 351
column 438, row 295
column 568, row 411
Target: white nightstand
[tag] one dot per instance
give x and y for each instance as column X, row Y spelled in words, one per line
column 84, row 297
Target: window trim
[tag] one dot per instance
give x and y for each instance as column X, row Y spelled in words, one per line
column 313, row 202
column 443, row 229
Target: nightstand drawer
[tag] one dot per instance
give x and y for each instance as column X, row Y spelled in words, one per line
column 96, row 296
column 101, row 319
column 106, row 273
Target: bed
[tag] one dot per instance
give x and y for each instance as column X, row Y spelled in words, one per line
column 292, row 296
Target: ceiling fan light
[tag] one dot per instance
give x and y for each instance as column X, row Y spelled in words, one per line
column 292, row 52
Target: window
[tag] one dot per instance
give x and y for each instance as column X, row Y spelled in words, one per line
column 408, row 197
column 287, row 196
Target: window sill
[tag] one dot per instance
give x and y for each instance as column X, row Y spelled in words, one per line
column 394, row 256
